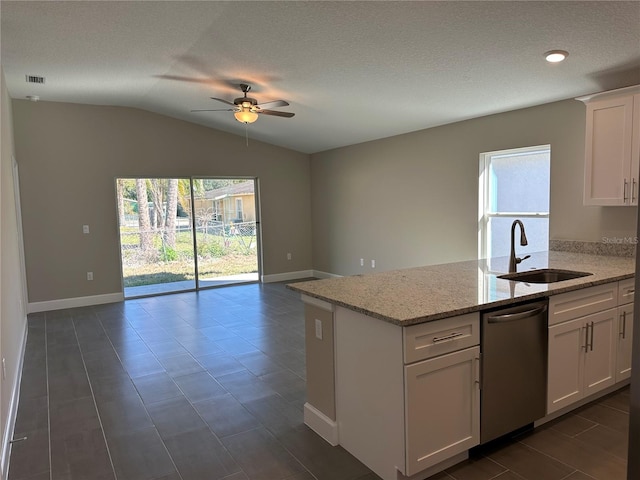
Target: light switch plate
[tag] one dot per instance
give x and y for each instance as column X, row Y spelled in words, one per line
column 85, row 228
column 318, row 329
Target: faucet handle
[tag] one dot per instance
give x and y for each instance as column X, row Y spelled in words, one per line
column 519, row 260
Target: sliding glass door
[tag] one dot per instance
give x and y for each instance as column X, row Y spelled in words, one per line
column 187, row 233
column 226, row 233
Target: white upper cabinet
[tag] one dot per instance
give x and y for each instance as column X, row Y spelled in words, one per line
column 612, row 147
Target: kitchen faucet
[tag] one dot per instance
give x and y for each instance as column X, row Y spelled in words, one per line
column 513, row 260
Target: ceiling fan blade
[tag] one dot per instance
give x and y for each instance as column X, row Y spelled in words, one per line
column 274, row 103
column 216, row 110
column 223, row 101
column 275, row 113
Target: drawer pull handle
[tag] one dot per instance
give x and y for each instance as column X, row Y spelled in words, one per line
column 447, row 337
column 631, row 291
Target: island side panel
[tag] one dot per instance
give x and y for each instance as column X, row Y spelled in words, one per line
column 320, row 408
column 370, row 391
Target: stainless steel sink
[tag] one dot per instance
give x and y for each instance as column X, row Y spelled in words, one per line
column 544, row 275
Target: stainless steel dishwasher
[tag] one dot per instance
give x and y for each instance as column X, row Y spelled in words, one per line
column 514, row 368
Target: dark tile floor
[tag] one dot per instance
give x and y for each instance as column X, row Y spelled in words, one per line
column 211, row 385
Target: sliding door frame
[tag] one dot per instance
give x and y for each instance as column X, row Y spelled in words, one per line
column 197, row 287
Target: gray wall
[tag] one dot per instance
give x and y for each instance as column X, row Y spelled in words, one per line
column 12, row 309
column 412, row 199
column 69, row 156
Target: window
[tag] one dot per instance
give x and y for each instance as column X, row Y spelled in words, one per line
column 513, row 184
column 239, row 212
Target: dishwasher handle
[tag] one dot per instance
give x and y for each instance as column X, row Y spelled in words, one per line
column 512, row 317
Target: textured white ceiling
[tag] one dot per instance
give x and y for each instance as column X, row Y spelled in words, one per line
column 352, row 71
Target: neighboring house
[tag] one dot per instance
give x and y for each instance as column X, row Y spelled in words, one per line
column 231, row 204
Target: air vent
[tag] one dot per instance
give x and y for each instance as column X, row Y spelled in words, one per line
column 35, row 79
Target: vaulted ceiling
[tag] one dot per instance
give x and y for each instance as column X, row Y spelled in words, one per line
column 351, row 71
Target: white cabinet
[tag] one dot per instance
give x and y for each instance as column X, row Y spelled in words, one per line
column 599, row 351
column 407, row 398
column 612, row 147
column 626, row 292
column 625, row 340
column 442, row 390
column 589, row 342
column 442, row 408
column 581, row 358
column 566, row 364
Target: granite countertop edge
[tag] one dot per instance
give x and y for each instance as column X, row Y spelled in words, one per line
column 462, row 311
column 545, row 290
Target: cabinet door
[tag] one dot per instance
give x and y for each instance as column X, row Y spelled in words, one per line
column 625, row 339
column 600, row 354
column 566, row 363
column 442, row 404
column 608, row 152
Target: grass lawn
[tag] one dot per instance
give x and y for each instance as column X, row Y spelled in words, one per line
column 164, row 272
column 217, row 256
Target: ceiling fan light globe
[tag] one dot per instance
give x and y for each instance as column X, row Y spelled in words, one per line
column 246, row 116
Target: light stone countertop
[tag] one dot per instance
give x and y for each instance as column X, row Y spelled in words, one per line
column 417, row 295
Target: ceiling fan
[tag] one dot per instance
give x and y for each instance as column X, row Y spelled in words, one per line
column 247, row 109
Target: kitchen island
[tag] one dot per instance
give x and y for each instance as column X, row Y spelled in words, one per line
column 393, row 358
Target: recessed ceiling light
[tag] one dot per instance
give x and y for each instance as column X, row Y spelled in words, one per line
column 555, row 56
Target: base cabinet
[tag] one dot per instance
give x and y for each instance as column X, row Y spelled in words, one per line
column 600, row 351
column 581, row 358
column 624, row 342
column 442, row 408
column 592, row 352
column 407, row 398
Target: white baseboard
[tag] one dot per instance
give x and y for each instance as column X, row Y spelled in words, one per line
column 321, row 424
column 35, row 307
column 13, row 409
column 63, row 303
column 283, row 277
column 320, row 274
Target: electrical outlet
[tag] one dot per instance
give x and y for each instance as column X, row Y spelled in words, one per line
column 373, row 264
column 362, row 262
column 85, row 229
column 318, row 329
column 89, row 275
column 288, row 256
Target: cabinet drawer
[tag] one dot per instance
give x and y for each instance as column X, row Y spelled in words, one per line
column 626, row 290
column 441, row 336
column 582, row 302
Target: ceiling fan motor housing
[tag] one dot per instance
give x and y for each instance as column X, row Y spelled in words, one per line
column 240, row 100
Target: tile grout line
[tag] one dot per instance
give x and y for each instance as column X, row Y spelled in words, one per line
column 93, row 397
column 228, row 392
column 193, row 406
column 122, row 317
column 46, row 361
column 144, row 405
column 576, row 469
